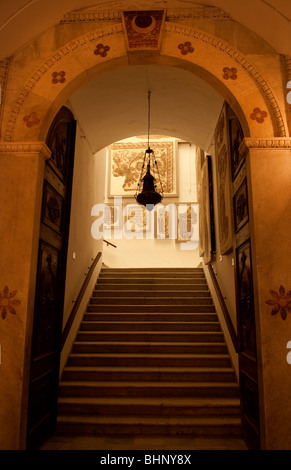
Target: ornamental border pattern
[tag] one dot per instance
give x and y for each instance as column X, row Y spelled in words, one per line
column 171, row 14
column 241, row 60
column 274, row 143
column 4, row 69
column 25, row 148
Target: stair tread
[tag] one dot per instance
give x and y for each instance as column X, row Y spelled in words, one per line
column 124, row 299
column 162, row 355
column 85, row 322
column 149, row 369
column 162, row 401
column 143, row 289
column 126, row 420
column 150, row 343
column 203, row 333
column 146, row 384
column 140, row 314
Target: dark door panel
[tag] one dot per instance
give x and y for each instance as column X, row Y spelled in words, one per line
column 50, row 280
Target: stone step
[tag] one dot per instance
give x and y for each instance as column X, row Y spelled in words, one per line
column 144, row 294
column 149, row 360
column 149, row 374
column 155, row 286
column 148, row 326
column 150, row 336
column 152, row 275
column 151, row 406
column 151, row 280
column 146, row 270
column 149, row 425
column 94, row 314
column 148, row 389
column 148, row 309
column 148, row 348
column 149, row 300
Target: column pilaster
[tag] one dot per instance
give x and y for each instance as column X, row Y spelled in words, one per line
column 268, row 164
column 21, row 182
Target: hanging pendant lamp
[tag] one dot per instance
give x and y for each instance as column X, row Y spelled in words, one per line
column 146, row 193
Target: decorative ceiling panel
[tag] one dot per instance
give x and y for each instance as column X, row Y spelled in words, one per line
column 143, row 29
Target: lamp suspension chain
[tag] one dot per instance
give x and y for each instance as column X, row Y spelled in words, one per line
column 149, row 117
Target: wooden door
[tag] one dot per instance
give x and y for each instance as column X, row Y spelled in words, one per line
column 247, row 353
column 50, row 281
column 235, row 237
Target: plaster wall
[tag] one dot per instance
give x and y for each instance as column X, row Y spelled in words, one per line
column 270, row 174
column 88, row 189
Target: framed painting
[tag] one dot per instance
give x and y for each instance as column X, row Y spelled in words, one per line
column 223, row 173
column 240, row 206
column 235, row 137
column 126, row 167
column 203, row 186
column 199, row 164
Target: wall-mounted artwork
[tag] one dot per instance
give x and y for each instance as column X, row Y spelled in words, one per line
column 224, row 199
column 126, row 160
column 240, row 203
column 235, row 137
column 205, row 236
column 199, row 164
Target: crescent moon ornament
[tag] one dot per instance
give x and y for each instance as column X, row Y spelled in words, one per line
column 143, row 24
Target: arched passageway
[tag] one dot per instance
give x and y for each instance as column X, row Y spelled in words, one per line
column 92, row 69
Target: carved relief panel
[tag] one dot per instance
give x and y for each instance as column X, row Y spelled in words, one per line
column 223, row 164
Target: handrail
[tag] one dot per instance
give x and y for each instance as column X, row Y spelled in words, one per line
column 79, row 299
column 108, row 243
column 224, row 308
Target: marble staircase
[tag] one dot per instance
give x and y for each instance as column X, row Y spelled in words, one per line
column 150, row 358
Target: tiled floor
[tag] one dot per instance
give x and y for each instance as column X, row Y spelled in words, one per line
column 142, row 443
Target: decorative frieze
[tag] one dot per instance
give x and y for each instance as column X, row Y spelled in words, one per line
column 171, row 14
column 275, row 143
column 90, row 16
column 25, row 148
column 198, row 13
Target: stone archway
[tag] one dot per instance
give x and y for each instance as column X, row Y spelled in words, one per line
column 35, row 91
column 31, row 110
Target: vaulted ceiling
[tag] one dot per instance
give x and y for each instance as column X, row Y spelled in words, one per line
column 114, row 105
